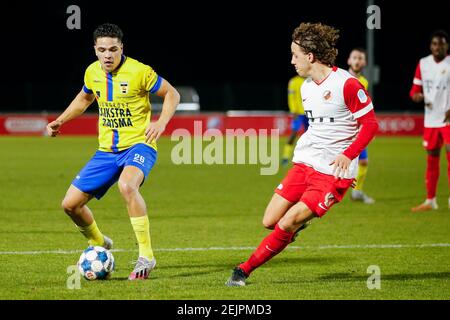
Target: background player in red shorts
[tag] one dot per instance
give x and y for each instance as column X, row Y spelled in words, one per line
column 431, row 85
column 342, row 123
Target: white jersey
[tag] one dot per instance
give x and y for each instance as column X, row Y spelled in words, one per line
column 332, row 108
column 433, row 79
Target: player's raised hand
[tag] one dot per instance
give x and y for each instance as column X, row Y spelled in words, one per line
column 340, row 166
column 154, row 131
column 53, row 128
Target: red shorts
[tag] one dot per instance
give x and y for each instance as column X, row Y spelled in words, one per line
column 317, row 190
column 433, row 138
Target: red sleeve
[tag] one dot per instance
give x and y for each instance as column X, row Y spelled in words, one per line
column 417, row 82
column 356, row 98
column 368, row 128
column 360, row 105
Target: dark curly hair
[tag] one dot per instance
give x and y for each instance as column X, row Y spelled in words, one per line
column 108, row 30
column 440, row 34
column 318, row 39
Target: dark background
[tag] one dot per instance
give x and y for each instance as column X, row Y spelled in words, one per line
column 235, row 53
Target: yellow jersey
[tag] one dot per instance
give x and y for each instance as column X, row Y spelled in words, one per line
column 294, row 96
column 363, row 81
column 123, row 102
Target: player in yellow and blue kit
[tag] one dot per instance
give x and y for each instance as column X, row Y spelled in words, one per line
column 299, row 120
column 356, row 62
column 127, row 139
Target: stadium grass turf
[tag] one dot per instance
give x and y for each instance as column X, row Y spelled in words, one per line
column 203, row 206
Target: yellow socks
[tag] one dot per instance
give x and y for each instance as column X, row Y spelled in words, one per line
column 93, row 234
column 142, row 230
column 287, row 152
column 361, row 177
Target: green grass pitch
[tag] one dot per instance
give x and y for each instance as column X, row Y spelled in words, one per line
column 202, row 206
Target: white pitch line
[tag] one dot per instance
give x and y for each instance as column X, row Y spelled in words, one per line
column 323, row 247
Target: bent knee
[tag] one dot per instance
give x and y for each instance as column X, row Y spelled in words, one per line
column 294, row 219
column 271, row 218
column 269, row 223
column 69, row 206
column 127, row 189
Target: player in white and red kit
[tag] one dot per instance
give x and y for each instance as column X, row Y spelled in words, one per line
column 342, row 123
column 431, row 85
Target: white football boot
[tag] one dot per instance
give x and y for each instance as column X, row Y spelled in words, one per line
column 142, row 268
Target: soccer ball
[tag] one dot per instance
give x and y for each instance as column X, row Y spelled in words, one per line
column 96, row 263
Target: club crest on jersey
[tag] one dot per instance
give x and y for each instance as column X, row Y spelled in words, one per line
column 362, row 96
column 327, row 95
column 124, row 87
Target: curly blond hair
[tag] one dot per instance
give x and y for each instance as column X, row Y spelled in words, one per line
column 318, row 39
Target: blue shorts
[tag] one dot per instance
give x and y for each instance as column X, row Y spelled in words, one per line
column 104, row 169
column 364, row 155
column 298, row 121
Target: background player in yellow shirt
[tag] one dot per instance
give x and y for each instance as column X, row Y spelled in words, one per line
column 299, row 119
column 357, row 61
column 127, row 139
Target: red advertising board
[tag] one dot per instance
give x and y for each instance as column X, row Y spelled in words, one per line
column 15, row 124
column 400, row 124
column 199, row 123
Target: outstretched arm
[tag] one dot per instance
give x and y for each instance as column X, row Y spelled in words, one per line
column 171, row 101
column 76, row 108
